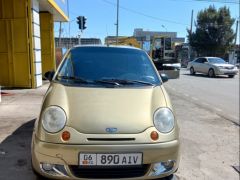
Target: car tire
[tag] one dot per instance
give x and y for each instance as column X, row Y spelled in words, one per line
column 231, row 76
column 211, row 73
column 192, row 72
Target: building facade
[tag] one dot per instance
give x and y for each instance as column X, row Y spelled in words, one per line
column 70, row 42
column 112, row 39
column 143, row 36
column 27, row 47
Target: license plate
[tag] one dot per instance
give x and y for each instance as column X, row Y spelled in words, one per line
column 119, row 159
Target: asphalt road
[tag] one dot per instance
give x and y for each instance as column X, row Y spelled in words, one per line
column 220, row 94
column 209, row 140
column 207, row 110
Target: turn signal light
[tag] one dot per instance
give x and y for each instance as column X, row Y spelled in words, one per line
column 66, row 135
column 154, row 135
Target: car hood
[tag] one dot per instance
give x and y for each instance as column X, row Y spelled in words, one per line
column 224, row 65
column 93, row 110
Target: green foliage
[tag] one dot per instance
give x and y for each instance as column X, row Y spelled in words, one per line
column 213, row 35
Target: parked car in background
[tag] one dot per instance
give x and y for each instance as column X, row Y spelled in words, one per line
column 238, row 65
column 106, row 115
column 212, row 66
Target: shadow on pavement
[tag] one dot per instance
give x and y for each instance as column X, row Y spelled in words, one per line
column 15, row 154
column 206, row 76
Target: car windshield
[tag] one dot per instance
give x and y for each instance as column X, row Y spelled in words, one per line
column 216, row 61
column 107, row 65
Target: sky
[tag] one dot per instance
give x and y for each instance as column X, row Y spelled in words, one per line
column 152, row 15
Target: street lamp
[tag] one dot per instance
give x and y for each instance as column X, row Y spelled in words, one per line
column 164, row 27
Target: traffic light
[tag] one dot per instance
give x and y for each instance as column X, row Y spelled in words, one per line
column 84, row 22
column 81, row 20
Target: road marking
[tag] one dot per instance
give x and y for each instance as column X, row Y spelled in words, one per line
column 205, row 104
column 217, row 109
column 186, row 95
column 195, row 99
column 234, row 117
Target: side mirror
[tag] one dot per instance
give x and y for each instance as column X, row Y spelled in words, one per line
column 49, row 75
column 164, row 77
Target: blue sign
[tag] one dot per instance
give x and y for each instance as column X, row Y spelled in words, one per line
column 146, row 46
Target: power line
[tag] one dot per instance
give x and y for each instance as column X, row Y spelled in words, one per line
column 211, row 1
column 153, row 17
column 219, row 1
column 146, row 15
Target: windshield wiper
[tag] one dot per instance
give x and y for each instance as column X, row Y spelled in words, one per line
column 75, row 79
column 124, row 81
column 107, row 81
column 142, row 82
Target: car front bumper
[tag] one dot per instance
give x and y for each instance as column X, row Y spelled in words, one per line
column 227, row 72
column 66, row 156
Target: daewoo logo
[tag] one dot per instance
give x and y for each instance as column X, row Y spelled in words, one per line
column 111, row 130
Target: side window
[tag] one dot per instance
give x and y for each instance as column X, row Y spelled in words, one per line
column 204, row 60
column 67, row 69
column 199, row 60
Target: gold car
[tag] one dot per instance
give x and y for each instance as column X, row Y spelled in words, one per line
column 106, row 115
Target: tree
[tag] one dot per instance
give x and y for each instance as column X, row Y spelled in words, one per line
column 213, row 35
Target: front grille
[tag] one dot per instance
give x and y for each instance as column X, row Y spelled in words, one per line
column 102, row 172
column 111, row 139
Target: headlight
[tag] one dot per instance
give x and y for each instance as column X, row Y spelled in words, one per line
column 53, row 119
column 163, row 120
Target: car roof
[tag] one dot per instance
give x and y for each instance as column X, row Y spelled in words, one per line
column 207, row 57
column 105, row 46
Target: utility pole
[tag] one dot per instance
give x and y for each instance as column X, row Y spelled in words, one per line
column 191, row 22
column 117, row 24
column 60, row 33
column 235, row 41
column 69, row 28
column 190, row 48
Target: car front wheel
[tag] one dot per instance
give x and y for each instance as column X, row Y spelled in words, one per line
column 211, row 73
column 192, row 72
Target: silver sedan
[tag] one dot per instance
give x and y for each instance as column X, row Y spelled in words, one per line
column 212, row 66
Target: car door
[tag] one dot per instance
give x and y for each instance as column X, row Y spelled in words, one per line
column 197, row 65
column 204, row 66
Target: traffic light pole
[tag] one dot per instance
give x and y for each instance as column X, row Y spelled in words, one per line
column 79, row 38
column 81, row 23
column 81, row 20
column 60, row 34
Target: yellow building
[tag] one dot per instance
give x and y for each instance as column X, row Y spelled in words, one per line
column 27, row 40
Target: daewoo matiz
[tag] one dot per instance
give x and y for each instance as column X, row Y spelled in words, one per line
column 106, row 115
